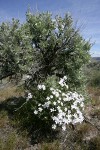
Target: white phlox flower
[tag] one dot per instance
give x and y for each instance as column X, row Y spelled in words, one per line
column 63, row 94
column 82, row 104
column 65, row 99
column 65, row 77
column 58, row 90
column 28, row 77
column 74, row 107
column 54, row 103
column 52, row 109
column 54, row 126
column 57, row 94
column 46, row 104
column 66, row 86
column 58, row 101
column 41, row 87
column 61, row 103
column 29, row 97
column 64, row 127
column 40, row 109
column 54, row 92
column 62, row 82
column 65, row 109
column 48, row 98
column 35, row 112
column 58, row 107
column 51, row 96
column 59, row 98
column 39, row 104
column 51, row 89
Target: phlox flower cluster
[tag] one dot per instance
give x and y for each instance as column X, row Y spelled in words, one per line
column 64, row 107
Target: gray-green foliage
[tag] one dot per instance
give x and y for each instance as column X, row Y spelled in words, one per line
column 9, row 47
column 43, row 47
column 58, row 47
column 14, row 48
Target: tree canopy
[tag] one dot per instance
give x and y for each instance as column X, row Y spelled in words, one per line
column 43, row 46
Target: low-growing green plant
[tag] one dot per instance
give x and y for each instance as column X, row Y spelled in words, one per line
column 54, row 106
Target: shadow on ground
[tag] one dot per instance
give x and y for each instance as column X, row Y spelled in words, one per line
column 24, row 119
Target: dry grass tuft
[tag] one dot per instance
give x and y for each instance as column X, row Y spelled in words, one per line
column 94, row 143
column 50, row 146
column 13, row 142
column 3, row 119
column 9, row 138
column 95, row 95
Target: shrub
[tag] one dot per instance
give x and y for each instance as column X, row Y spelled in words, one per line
column 55, row 106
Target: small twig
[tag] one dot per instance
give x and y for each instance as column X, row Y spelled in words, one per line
column 21, row 106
